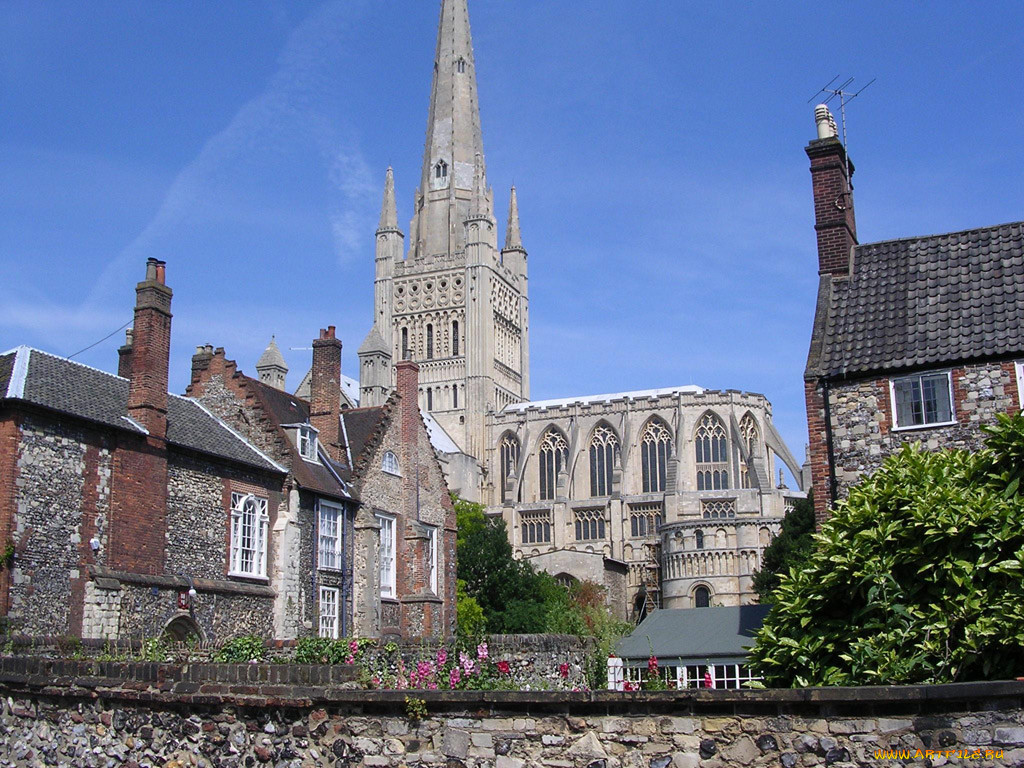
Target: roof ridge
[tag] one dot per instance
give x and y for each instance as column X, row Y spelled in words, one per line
column 19, row 373
column 73, row 362
column 942, row 234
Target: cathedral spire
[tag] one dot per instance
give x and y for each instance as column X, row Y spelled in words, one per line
column 513, row 237
column 453, row 124
column 388, row 209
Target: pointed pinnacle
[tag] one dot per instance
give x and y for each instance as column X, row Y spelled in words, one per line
column 388, row 210
column 479, row 206
column 513, row 237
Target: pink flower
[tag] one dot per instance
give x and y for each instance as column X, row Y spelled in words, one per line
column 454, row 677
column 351, row 659
column 376, row 681
column 353, row 646
column 504, row 668
column 652, row 664
column 564, row 670
column 432, row 686
column 442, row 657
column 424, row 669
column 467, row 663
column 413, row 678
column 481, row 651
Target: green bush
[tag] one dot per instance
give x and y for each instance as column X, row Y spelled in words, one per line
column 241, row 649
column 470, row 621
column 788, row 550
column 918, row 577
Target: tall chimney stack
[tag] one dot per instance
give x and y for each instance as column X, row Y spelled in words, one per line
column 407, row 375
column 150, row 351
column 325, row 391
column 831, row 175
column 124, row 356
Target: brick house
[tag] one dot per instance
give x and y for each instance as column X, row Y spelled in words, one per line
column 130, row 511
column 367, row 517
column 914, row 340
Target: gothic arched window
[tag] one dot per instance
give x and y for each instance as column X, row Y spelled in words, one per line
column 699, row 539
column 604, row 448
column 712, row 454
column 509, row 450
column 702, row 597
column 750, row 436
column 405, row 343
column 441, row 170
column 455, row 395
column 455, row 338
column 430, row 341
column 553, row 458
column 655, row 451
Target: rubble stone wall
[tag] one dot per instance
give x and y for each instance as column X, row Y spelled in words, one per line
column 250, row 715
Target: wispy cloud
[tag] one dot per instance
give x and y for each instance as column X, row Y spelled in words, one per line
column 296, row 103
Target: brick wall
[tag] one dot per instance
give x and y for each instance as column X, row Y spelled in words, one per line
column 10, row 436
column 834, row 222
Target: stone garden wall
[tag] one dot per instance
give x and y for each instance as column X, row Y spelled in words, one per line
column 110, row 714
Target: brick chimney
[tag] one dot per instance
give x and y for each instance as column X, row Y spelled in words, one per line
column 124, row 356
column 150, row 351
column 831, row 176
column 200, row 365
column 325, row 391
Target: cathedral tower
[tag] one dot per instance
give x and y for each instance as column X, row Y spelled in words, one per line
column 455, row 303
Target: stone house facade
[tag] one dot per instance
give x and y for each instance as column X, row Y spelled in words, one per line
column 916, row 340
column 122, row 507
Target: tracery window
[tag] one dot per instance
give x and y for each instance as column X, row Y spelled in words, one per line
column 441, row 170
column 712, row 454
column 749, row 435
column 536, row 527
column 715, row 509
column 644, row 520
column 604, row 450
column 589, row 524
column 553, row 458
column 509, row 450
column 655, row 451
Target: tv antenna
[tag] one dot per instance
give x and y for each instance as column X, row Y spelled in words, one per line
column 845, row 97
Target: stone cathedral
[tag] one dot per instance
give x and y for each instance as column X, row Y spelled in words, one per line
column 666, row 497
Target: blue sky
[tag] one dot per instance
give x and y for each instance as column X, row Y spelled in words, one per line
column 657, row 149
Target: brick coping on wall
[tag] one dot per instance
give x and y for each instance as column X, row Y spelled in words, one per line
column 306, row 685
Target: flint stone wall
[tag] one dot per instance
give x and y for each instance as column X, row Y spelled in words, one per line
column 92, row 714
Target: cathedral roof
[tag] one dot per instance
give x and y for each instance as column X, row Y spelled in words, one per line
column 586, row 399
column 924, row 301
column 271, row 357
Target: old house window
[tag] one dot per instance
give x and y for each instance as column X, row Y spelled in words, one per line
column 712, row 454
column 328, row 612
column 455, row 338
column 536, row 527
column 389, row 463
column 387, row 555
column 432, row 558
column 589, row 524
column 509, row 451
column 307, row 442
column 604, row 447
column 553, row 455
column 430, row 341
column 249, row 524
column 329, row 541
column 702, row 597
column 655, row 451
column 923, row 400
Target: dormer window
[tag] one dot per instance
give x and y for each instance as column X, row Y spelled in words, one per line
column 306, row 442
column 390, row 464
column 441, row 170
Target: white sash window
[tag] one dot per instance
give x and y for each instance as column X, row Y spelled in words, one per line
column 387, row 556
column 249, row 524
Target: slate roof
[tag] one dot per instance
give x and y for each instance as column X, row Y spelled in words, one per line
column 283, row 408
column 925, row 301
column 694, row 635
column 75, row 389
column 361, row 427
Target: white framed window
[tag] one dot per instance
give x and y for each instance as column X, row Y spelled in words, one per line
column 329, row 612
column 390, row 463
column 306, row 439
column 387, row 555
column 329, row 541
column 922, row 400
column 249, row 524
column 432, row 558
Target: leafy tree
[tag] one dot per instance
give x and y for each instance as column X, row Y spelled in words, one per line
column 469, row 615
column 788, row 550
column 918, row 577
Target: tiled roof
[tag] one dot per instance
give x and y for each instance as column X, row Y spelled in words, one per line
column 68, row 387
column 695, row 635
column 926, row 301
column 6, row 367
column 361, row 425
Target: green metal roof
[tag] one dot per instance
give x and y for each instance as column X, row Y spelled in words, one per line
column 695, row 635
